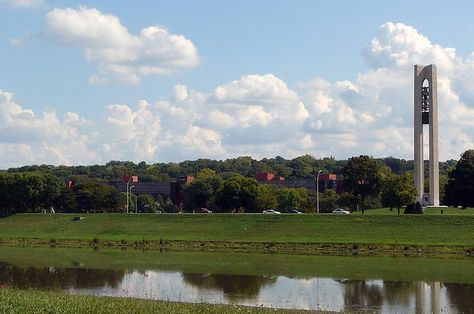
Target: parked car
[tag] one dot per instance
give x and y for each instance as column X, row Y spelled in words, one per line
column 271, row 211
column 340, row 211
column 294, row 211
column 203, row 211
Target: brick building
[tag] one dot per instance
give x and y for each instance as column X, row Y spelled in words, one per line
column 326, row 181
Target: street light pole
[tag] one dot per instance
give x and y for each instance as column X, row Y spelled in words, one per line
column 131, row 187
column 128, row 182
column 317, row 192
column 136, row 203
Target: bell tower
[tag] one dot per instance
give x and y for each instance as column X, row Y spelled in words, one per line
column 426, row 113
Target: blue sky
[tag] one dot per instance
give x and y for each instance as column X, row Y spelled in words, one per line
column 85, row 82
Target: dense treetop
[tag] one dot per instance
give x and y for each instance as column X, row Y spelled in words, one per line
column 460, row 185
column 302, row 167
column 227, row 186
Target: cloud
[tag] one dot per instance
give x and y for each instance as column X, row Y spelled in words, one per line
column 141, row 134
column 17, row 41
column 73, row 118
column 257, row 114
column 29, row 138
column 256, row 109
column 374, row 113
column 133, row 134
column 22, row 40
column 116, row 53
column 242, row 115
column 399, row 45
column 95, row 80
column 26, row 3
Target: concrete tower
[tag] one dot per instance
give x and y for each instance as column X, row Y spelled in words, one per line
column 426, row 112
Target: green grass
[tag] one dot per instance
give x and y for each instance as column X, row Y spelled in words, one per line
column 446, row 230
column 428, row 211
column 37, row 301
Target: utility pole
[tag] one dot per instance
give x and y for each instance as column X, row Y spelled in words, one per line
column 317, row 192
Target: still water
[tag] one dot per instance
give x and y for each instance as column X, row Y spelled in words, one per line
column 234, row 281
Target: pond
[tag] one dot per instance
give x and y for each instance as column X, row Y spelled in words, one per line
column 331, row 283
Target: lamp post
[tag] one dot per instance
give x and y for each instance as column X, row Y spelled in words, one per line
column 128, row 182
column 317, row 192
column 131, row 187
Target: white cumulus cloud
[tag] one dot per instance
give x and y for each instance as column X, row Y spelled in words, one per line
column 30, row 138
column 257, row 114
column 116, row 52
column 374, row 113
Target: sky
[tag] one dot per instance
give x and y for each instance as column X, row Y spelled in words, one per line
column 86, row 82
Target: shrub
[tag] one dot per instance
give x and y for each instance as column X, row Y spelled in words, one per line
column 413, row 209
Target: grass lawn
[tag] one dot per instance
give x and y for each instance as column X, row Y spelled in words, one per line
column 446, row 229
column 37, row 301
column 427, row 211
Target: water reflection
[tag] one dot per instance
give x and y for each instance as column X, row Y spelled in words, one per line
column 362, row 294
column 234, row 287
column 378, row 296
column 398, row 292
column 57, row 278
column 461, row 296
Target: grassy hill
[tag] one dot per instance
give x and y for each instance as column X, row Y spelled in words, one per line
column 444, row 230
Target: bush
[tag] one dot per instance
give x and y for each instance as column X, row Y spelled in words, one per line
column 413, row 209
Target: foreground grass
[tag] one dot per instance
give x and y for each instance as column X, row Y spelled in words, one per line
column 40, row 301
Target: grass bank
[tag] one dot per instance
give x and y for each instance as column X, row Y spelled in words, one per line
column 247, row 232
column 40, row 301
column 427, row 211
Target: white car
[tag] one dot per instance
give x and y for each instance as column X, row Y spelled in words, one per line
column 340, row 211
column 271, row 211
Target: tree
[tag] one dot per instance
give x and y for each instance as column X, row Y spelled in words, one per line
column 398, row 191
column 84, row 199
column 146, row 203
column 347, row 200
column 67, row 201
column 168, row 207
column 292, row 199
column 362, row 178
column 28, row 192
column 328, row 200
column 443, row 181
column 303, row 167
column 7, row 199
column 52, row 193
column 237, row 194
column 97, row 198
column 266, row 198
column 460, row 187
column 110, row 199
column 203, row 188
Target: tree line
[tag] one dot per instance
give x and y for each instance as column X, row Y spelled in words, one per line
column 368, row 183
column 42, row 192
column 299, row 168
